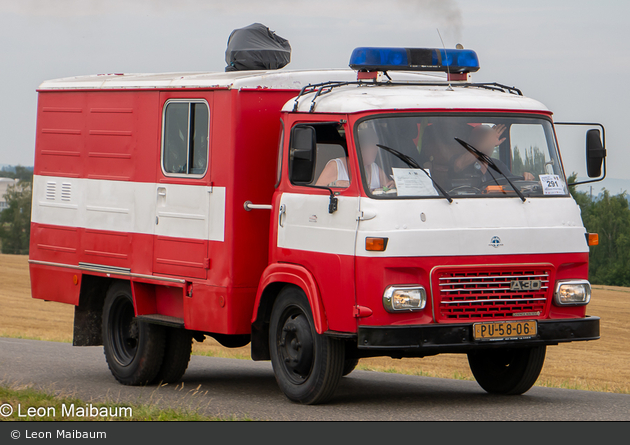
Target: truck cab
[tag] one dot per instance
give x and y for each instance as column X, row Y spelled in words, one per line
column 438, row 215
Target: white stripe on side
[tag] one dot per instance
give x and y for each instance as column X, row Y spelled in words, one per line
column 172, row 210
column 433, row 227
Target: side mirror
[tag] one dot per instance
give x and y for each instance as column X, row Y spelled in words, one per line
column 302, row 154
column 595, row 153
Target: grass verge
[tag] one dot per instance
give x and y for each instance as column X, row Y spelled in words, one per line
column 28, row 404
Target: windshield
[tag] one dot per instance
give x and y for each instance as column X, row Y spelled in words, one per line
column 459, row 156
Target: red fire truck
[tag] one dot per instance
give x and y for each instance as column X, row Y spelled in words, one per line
column 395, row 208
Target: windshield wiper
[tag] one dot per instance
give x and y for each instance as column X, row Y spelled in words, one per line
column 412, row 163
column 490, row 163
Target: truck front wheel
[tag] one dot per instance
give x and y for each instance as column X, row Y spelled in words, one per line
column 134, row 350
column 507, row 371
column 307, row 366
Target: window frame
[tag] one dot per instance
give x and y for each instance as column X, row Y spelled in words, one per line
column 188, row 101
column 346, row 151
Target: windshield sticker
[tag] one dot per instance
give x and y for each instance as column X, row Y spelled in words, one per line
column 413, row 182
column 552, row 185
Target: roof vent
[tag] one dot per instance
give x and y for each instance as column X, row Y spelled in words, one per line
column 255, row 47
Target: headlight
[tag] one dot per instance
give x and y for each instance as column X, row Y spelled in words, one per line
column 404, row 298
column 572, row 292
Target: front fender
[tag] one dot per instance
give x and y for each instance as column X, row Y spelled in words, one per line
column 299, row 276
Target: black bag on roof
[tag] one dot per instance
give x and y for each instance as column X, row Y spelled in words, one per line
column 255, row 47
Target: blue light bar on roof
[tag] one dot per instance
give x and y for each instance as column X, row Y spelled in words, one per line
column 414, row 59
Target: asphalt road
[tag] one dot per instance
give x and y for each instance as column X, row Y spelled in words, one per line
column 247, row 389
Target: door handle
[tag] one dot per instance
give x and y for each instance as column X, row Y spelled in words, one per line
column 161, row 191
column 282, row 212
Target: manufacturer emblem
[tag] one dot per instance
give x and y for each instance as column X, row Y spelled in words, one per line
column 526, row 314
column 495, row 242
column 312, row 218
column 526, row 285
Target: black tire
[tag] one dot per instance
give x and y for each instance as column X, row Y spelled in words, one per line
column 307, row 366
column 134, row 350
column 176, row 355
column 507, row 371
column 348, row 365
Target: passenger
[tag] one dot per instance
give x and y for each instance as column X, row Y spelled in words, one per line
column 484, row 139
column 335, row 173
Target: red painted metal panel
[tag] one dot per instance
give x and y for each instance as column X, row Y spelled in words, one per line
column 169, row 301
column 144, row 298
column 255, row 129
column 180, row 257
column 73, row 245
column 110, row 248
column 54, row 243
column 55, row 284
column 97, row 134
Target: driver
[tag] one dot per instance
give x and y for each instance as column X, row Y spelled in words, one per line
column 485, row 139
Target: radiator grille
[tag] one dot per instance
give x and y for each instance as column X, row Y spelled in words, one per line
column 475, row 295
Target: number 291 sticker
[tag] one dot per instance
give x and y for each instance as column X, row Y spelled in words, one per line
column 552, row 185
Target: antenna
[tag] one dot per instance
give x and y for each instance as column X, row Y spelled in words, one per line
column 448, row 71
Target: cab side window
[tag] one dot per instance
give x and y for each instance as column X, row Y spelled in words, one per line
column 328, row 159
column 185, row 133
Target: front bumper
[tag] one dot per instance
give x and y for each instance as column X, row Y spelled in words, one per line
column 418, row 341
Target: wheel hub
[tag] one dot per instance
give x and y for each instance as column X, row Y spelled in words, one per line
column 296, row 345
column 124, row 332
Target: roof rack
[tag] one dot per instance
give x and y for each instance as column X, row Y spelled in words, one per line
column 326, row 87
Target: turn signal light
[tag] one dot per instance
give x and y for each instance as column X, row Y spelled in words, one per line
column 593, row 239
column 376, row 244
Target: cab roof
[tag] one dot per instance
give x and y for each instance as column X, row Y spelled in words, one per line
column 358, row 98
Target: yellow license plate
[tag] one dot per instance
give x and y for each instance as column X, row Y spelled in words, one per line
column 505, row 330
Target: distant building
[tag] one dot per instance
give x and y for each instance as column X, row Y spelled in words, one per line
column 4, row 184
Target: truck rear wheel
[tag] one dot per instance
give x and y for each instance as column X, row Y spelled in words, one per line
column 307, row 366
column 507, row 371
column 176, row 355
column 134, row 350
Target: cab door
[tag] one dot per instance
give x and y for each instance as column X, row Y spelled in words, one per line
column 316, row 228
column 183, row 195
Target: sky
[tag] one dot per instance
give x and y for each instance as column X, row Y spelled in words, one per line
column 570, row 55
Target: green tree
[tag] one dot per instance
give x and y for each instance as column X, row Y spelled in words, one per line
column 608, row 216
column 533, row 163
column 18, row 172
column 517, row 163
column 15, row 220
column 610, row 260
